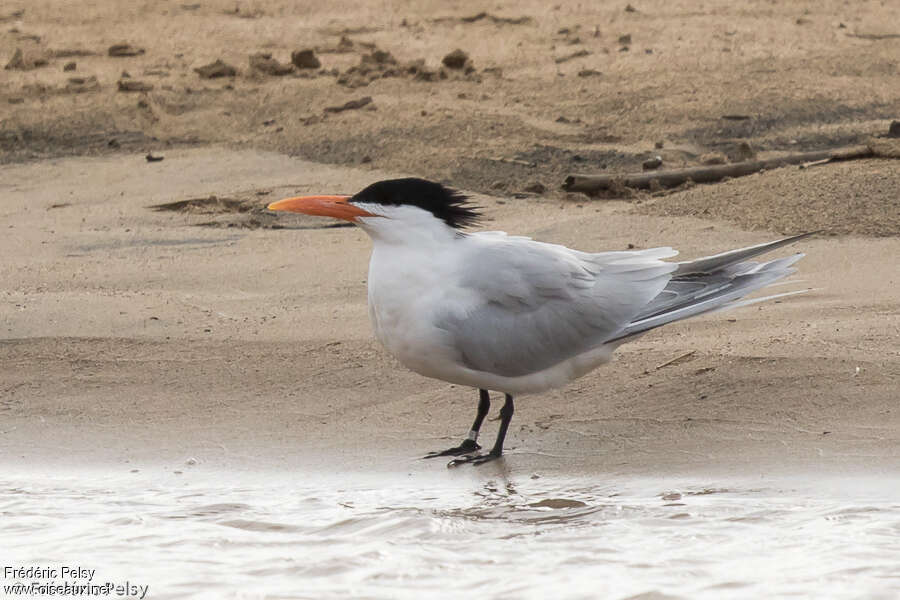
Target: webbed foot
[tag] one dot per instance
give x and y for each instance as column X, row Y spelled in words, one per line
column 474, row 459
column 467, row 446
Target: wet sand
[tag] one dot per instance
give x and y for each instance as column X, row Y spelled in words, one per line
column 135, row 335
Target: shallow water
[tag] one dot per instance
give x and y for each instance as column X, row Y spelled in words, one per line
column 452, row 534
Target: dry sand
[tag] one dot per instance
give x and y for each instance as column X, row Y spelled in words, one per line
column 215, row 330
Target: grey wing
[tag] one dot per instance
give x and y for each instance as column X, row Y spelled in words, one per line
column 531, row 305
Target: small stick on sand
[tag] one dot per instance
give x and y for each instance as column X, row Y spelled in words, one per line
column 510, row 161
column 815, row 163
column 675, row 360
column 591, row 184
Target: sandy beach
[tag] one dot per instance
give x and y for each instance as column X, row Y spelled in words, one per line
column 153, row 313
column 204, row 318
column 255, row 342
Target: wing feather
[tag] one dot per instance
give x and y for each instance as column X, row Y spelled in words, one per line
column 531, row 305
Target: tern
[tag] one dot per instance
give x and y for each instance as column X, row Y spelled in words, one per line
column 510, row 314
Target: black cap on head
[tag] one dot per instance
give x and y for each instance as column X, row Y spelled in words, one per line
column 445, row 203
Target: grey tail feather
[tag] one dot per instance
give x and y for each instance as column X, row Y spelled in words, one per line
column 713, row 263
column 713, row 283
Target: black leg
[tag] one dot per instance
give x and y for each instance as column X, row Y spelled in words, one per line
column 506, row 415
column 469, row 444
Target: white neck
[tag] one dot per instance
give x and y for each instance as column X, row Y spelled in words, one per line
column 405, row 225
column 410, row 260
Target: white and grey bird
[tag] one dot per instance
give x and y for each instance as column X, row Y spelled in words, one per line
column 510, row 314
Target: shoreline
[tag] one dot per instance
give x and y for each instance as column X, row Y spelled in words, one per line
column 133, row 335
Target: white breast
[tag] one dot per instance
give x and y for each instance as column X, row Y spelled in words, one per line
column 404, row 289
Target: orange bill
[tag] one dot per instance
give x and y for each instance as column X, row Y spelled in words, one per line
column 322, row 206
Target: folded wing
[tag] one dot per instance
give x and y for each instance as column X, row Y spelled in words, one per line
column 529, row 305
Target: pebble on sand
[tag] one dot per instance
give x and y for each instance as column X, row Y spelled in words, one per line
column 216, row 69
column 264, row 63
column 894, row 129
column 82, row 84
column 654, row 162
column 125, row 50
column 133, row 85
column 305, row 59
column 457, row 59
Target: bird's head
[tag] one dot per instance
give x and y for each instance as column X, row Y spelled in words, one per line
column 392, row 205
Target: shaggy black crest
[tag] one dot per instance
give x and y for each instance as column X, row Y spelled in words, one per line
column 444, row 203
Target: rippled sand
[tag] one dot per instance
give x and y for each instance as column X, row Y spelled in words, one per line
column 446, row 534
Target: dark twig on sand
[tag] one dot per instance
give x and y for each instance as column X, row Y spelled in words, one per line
column 351, row 105
column 875, row 37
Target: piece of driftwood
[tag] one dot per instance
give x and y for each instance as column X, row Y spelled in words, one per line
column 591, row 184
